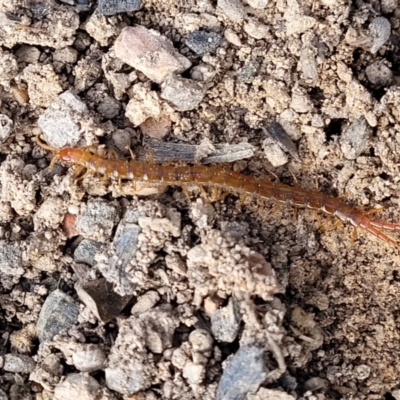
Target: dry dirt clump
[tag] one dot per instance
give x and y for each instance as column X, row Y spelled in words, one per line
column 115, row 289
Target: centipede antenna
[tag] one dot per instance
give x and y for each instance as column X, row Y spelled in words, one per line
column 44, row 145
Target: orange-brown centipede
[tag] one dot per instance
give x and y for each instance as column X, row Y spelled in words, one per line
column 222, row 178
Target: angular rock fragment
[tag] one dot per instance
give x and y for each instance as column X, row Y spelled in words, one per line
column 78, row 386
column 184, row 94
column 97, row 220
column 355, row 138
column 86, row 251
column 225, row 322
column 243, row 374
column 111, row 7
column 101, row 299
column 18, row 363
column 61, row 123
column 149, row 52
column 203, row 42
column 59, row 312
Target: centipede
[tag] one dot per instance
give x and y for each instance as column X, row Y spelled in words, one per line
column 224, row 179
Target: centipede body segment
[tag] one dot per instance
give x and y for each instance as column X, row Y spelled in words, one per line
column 225, row 179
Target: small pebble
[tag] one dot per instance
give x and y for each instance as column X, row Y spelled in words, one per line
column 18, row 363
column 248, row 72
column 184, row 94
column 145, row 302
column 225, row 322
column 78, row 386
column 256, row 29
column 97, row 220
column 258, row 4
column 379, row 74
column 354, row 139
column 243, row 374
column 61, row 122
column 233, row 9
column 149, row 52
column 232, row 37
column 59, row 312
column 6, row 127
column 3, row 395
column 111, row 7
column 203, row 73
column 100, row 298
column 274, row 153
column 120, row 253
column 315, row 383
column 10, row 261
column 203, row 42
column 85, row 252
column 380, row 29
column 275, row 131
column 157, row 128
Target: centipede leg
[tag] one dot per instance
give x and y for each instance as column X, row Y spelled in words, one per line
column 381, row 235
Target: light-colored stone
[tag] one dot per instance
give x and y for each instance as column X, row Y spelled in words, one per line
column 149, row 52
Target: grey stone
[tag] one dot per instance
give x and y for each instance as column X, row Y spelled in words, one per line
column 97, row 221
column 380, row 29
column 248, row 72
column 355, row 138
column 233, row 9
column 203, row 42
column 111, row 7
column 85, row 252
column 59, row 312
column 61, row 123
column 19, row 363
column 225, row 322
column 379, row 74
column 184, row 94
column 388, row 6
column 123, row 249
column 243, row 374
column 3, row 395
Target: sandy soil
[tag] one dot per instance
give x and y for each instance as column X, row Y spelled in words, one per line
column 322, row 308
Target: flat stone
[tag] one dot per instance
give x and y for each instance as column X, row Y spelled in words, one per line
column 59, row 312
column 19, row 363
column 149, row 52
column 184, row 94
column 100, row 298
column 243, row 374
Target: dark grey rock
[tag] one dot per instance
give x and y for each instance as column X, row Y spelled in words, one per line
column 248, row 72
column 111, row 7
column 101, row 299
column 86, row 251
column 59, row 312
column 203, row 42
column 19, row 363
column 244, row 373
column 355, row 138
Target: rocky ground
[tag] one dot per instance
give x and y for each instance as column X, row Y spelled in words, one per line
column 142, row 290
